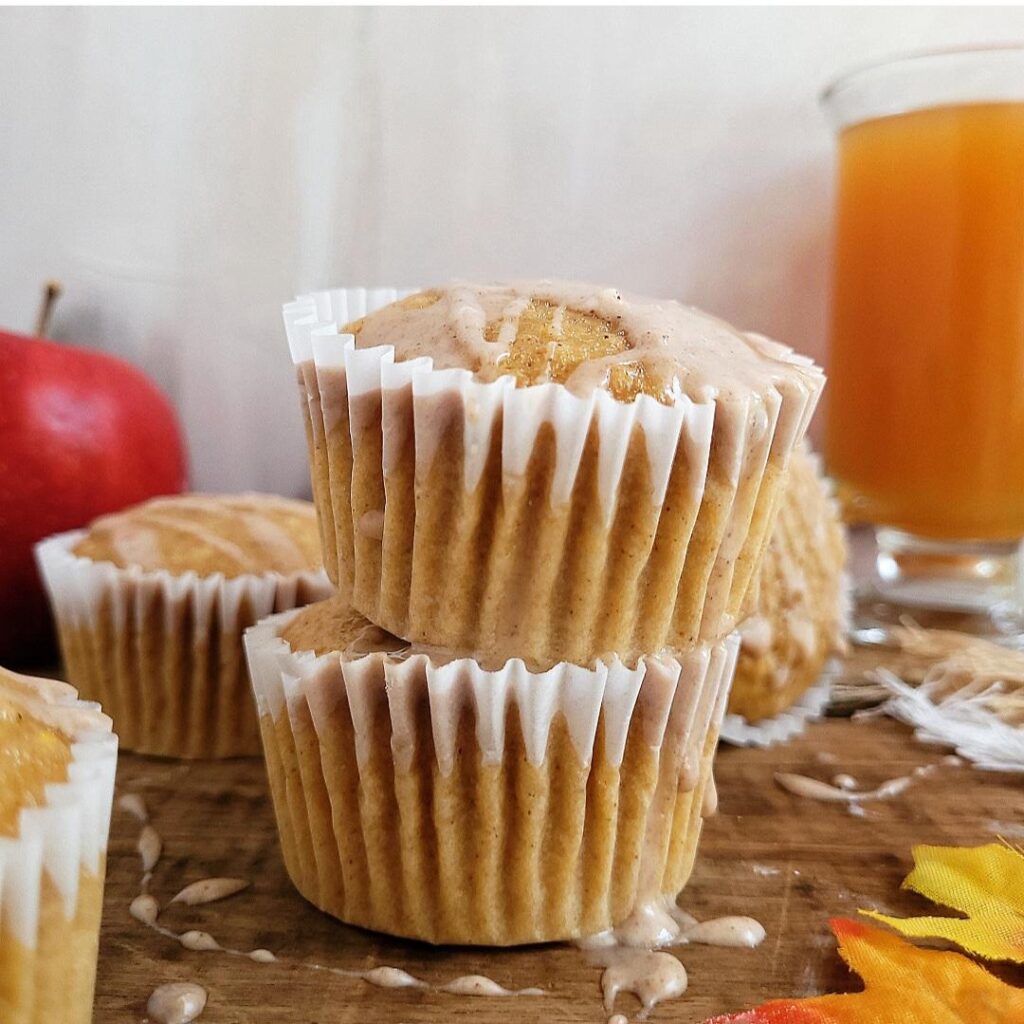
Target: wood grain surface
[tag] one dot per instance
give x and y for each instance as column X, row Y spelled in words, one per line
column 790, row 862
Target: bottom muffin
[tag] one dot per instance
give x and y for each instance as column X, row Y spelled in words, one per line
column 57, row 762
column 420, row 795
column 798, row 610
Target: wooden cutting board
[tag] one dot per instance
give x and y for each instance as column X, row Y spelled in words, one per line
column 789, row 861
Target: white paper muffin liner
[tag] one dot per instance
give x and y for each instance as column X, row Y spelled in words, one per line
column 163, row 652
column 348, row 741
column 677, row 558
column 809, row 707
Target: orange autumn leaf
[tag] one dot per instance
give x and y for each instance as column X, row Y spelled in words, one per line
column 903, row 985
column 984, row 882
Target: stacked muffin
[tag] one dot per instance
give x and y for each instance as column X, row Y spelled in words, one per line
column 542, row 505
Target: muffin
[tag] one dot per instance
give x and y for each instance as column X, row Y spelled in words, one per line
column 57, row 762
column 151, row 604
column 798, row 610
column 424, row 795
column 544, row 471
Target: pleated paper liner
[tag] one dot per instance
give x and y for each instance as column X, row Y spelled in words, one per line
column 442, row 802
column 529, row 522
column 52, row 870
column 792, row 721
column 163, row 652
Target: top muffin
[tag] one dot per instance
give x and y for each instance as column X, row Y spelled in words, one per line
column 546, row 471
column 233, row 535
column 580, row 335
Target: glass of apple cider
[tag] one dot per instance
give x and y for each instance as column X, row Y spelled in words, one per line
column 925, row 406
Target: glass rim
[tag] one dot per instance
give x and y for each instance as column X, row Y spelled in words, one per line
column 843, row 81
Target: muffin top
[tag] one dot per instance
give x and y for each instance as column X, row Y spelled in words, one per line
column 35, row 744
column 583, row 336
column 233, row 534
column 333, row 625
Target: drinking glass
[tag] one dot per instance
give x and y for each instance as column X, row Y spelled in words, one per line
column 925, row 407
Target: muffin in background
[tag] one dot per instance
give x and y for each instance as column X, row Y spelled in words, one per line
column 421, row 795
column 545, row 471
column 151, row 604
column 798, row 609
column 57, row 763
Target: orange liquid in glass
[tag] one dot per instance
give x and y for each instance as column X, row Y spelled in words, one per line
column 925, row 426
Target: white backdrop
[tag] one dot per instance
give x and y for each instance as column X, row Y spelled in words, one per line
column 184, row 172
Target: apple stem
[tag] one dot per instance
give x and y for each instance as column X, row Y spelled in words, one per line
column 51, row 293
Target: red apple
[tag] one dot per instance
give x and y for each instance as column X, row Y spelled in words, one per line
column 81, row 434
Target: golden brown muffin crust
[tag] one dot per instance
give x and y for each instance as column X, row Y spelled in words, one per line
column 332, row 625
column 33, row 754
column 203, row 533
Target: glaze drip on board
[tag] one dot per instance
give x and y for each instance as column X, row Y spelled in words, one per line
column 842, row 789
column 651, row 975
column 633, row 955
column 179, row 1002
column 660, row 924
column 210, row 890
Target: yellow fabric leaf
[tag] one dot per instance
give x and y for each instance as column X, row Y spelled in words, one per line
column 903, row 985
column 984, row 882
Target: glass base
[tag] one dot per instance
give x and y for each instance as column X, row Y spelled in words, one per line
column 973, row 587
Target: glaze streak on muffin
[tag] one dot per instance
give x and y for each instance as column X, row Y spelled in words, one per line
column 581, row 336
column 207, row 534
